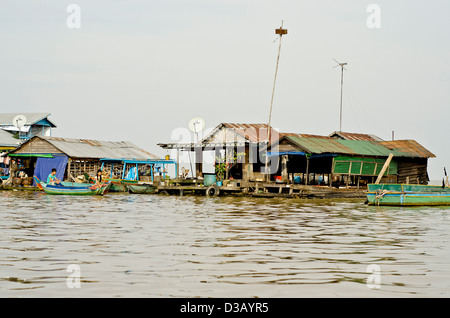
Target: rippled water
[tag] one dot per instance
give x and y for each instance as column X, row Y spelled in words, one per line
column 166, row 246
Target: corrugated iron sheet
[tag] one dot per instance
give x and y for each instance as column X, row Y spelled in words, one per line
column 355, row 136
column 319, row 145
column 315, row 145
column 7, row 118
column 410, row 148
column 251, row 132
column 82, row 148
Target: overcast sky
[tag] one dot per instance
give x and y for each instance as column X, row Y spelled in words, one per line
column 137, row 70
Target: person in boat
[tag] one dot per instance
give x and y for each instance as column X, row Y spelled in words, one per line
column 51, row 179
column 99, row 177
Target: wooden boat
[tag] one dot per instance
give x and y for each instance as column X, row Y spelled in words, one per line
column 64, row 183
column 99, row 189
column 141, row 188
column 120, row 185
column 407, row 194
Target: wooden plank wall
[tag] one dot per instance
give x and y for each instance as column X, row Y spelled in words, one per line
column 38, row 146
column 415, row 170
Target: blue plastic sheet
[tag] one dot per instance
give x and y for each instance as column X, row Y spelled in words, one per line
column 131, row 175
column 44, row 167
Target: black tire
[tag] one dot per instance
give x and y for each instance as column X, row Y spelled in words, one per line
column 213, row 191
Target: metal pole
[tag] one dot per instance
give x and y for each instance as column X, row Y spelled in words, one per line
column 279, row 31
column 342, row 84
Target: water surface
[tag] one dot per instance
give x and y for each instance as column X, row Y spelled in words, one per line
column 169, row 246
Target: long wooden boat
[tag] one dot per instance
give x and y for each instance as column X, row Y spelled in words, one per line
column 64, row 183
column 93, row 189
column 141, row 188
column 407, row 194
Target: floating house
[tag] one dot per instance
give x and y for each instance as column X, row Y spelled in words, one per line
column 75, row 157
column 36, row 124
column 238, row 144
column 348, row 158
column 339, row 158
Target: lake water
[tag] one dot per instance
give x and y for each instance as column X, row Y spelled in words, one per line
column 169, row 246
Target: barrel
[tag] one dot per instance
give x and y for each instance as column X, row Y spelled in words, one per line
column 209, row 179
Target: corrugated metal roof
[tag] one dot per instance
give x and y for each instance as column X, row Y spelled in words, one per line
column 410, row 148
column 251, row 132
column 304, row 135
column 315, row 145
column 7, row 140
column 369, row 148
column 319, row 145
column 6, row 119
column 85, row 148
column 354, row 136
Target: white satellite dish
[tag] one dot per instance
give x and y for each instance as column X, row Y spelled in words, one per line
column 196, row 124
column 19, row 121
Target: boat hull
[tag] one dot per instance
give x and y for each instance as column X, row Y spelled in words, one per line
column 141, row 188
column 407, row 195
column 67, row 190
column 120, row 185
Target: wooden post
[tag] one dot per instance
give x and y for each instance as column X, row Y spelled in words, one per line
column 177, row 165
column 284, row 171
column 198, row 162
column 383, row 170
column 307, row 171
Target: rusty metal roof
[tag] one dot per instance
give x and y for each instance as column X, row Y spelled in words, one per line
column 251, row 132
column 354, row 136
column 410, row 148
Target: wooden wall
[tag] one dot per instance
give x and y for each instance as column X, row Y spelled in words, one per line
column 415, row 169
column 38, row 146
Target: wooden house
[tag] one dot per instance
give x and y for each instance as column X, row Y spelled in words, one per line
column 239, row 145
column 74, row 157
column 355, row 160
column 37, row 124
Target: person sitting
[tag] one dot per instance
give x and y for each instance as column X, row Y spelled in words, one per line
column 99, row 177
column 51, row 179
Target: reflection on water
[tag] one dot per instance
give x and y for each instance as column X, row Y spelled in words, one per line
column 162, row 246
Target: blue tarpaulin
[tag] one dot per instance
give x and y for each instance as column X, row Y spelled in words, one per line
column 131, row 175
column 44, row 167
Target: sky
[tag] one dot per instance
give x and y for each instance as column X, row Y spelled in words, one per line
column 140, row 70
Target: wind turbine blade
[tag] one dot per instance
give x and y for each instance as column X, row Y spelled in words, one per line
column 336, row 60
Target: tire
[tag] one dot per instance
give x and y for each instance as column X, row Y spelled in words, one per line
column 213, row 191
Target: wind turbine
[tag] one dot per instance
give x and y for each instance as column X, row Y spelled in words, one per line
column 342, row 85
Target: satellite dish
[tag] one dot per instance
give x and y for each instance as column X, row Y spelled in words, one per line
column 19, row 121
column 196, row 124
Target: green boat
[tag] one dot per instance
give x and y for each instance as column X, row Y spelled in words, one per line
column 407, row 194
column 141, row 188
column 120, row 185
column 93, row 189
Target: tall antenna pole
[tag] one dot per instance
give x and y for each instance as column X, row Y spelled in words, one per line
column 340, row 109
column 280, row 32
column 342, row 85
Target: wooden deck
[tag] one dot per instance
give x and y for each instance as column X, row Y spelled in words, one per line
column 251, row 189
column 267, row 190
